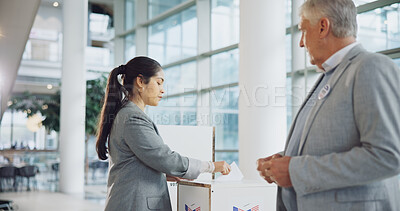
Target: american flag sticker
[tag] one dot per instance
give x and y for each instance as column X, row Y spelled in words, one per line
column 255, row 208
column 187, row 208
column 324, row 92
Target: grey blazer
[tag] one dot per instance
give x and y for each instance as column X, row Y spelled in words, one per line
column 139, row 161
column 350, row 147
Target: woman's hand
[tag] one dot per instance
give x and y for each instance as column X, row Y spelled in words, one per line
column 173, row 179
column 223, row 167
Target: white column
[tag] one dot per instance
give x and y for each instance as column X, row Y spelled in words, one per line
column 73, row 95
column 203, row 64
column 262, row 79
column 141, row 31
column 299, row 88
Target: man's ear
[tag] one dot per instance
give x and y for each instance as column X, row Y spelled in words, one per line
column 324, row 27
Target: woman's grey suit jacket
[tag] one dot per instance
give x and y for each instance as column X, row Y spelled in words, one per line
column 139, row 161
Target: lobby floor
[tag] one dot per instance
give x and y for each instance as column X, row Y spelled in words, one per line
column 45, row 200
column 44, row 195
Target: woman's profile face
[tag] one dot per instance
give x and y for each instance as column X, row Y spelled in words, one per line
column 153, row 91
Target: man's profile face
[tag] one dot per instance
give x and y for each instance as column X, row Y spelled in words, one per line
column 309, row 38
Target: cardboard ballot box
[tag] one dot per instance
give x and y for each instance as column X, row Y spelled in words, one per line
column 242, row 195
column 191, row 141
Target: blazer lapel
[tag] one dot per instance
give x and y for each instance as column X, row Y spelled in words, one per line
column 332, row 82
column 301, row 107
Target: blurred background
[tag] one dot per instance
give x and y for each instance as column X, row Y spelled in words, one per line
column 197, row 44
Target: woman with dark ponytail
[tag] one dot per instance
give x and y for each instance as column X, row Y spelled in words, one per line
column 139, row 160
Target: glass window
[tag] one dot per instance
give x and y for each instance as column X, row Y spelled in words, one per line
column 43, row 44
column 224, row 23
column 15, row 133
column 229, row 157
column 130, row 14
column 288, row 13
column 379, row 29
column 5, row 130
column 297, row 90
column 289, row 108
column 361, row 2
column 179, row 110
column 98, row 23
column 180, row 79
column 166, row 113
column 224, row 113
column 130, row 47
column 288, row 42
column 156, row 7
column 174, row 38
column 397, row 61
column 225, row 68
column 42, row 50
column 98, row 57
column 224, row 117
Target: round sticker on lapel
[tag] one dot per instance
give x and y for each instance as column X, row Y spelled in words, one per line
column 324, row 92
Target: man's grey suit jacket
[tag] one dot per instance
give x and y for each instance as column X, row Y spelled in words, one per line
column 349, row 154
column 139, row 161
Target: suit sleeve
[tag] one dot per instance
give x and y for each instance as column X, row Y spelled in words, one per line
column 148, row 146
column 376, row 105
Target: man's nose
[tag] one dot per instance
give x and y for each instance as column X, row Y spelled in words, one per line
column 301, row 43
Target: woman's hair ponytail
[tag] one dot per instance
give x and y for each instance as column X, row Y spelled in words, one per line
column 117, row 95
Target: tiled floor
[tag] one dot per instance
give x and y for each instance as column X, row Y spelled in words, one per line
column 50, row 201
column 46, row 198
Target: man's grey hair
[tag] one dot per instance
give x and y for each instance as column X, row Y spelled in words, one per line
column 341, row 14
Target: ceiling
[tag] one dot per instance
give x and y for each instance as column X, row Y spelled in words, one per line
column 16, row 19
column 106, row 2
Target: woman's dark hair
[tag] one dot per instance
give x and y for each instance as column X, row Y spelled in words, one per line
column 117, row 95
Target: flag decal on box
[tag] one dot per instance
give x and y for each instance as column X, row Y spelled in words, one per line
column 187, row 208
column 255, row 208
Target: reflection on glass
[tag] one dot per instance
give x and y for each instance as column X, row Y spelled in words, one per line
column 224, row 23
column 180, row 79
column 175, row 111
column 157, row 7
column 379, row 29
column 224, row 116
column 130, row 47
column 130, row 14
column 225, row 68
column 174, row 38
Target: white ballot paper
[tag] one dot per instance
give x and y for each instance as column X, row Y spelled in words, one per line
column 234, row 175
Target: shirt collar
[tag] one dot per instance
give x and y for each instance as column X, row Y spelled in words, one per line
column 336, row 58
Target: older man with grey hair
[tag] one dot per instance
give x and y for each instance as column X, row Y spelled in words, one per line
column 343, row 149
